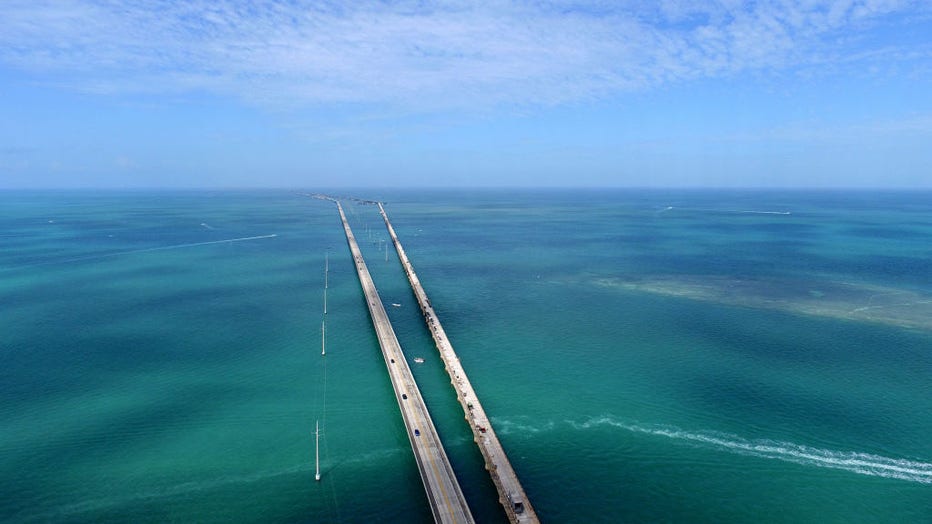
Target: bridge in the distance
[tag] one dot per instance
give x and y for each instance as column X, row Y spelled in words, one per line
column 443, row 490
column 510, row 492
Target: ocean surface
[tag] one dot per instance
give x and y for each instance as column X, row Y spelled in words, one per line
column 645, row 355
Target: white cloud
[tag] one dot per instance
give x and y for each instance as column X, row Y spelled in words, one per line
column 434, row 54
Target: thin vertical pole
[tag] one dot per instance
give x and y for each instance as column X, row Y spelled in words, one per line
column 317, row 451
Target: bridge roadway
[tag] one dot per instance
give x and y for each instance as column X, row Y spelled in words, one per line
column 510, row 492
column 443, row 490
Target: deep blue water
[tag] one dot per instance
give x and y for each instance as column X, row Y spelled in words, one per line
column 646, row 355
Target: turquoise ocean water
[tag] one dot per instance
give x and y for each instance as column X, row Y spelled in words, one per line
column 675, row 356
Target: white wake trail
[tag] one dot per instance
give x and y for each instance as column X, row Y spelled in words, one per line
column 135, row 251
column 855, row 462
column 177, row 246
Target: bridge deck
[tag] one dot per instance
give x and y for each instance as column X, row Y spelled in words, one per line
column 443, row 490
column 510, row 492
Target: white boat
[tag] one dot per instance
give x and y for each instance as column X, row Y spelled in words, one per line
column 419, row 360
column 395, row 304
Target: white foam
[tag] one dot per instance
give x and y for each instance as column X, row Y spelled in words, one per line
column 507, row 427
column 855, row 462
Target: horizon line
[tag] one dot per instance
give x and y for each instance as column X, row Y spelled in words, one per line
column 471, row 188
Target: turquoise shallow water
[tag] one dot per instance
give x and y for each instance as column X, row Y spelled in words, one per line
column 686, row 356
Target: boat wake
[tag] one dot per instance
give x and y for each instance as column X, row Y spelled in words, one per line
column 725, row 211
column 508, row 427
column 137, row 251
column 855, row 462
column 69, row 511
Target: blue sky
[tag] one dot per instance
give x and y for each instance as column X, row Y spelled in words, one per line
column 198, row 93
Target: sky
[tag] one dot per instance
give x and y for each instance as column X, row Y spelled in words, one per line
column 499, row 93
